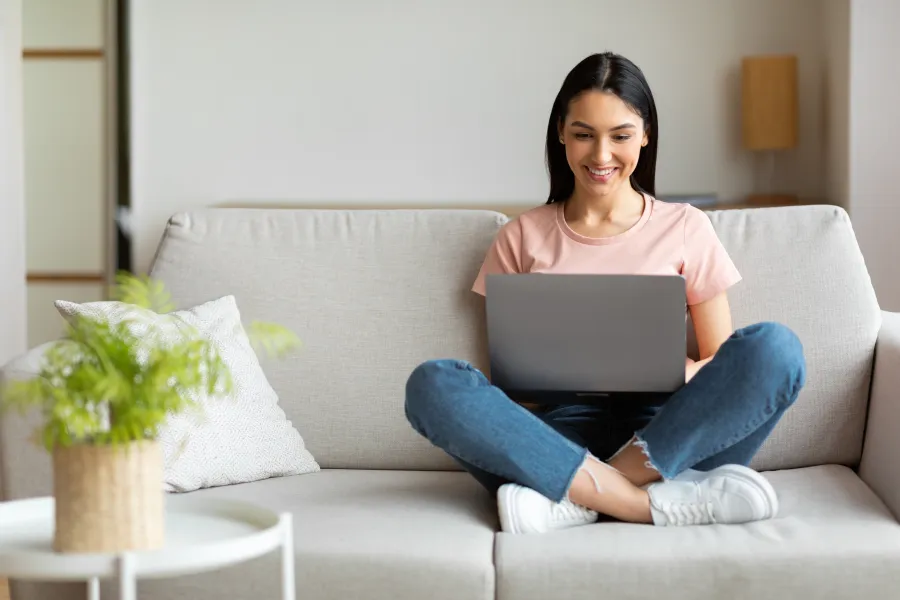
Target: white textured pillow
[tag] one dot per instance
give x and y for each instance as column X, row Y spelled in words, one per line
column 241, row 437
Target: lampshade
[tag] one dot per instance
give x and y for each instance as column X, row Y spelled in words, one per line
column 769, row 102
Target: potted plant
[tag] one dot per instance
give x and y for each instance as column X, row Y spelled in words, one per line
column 105, row 390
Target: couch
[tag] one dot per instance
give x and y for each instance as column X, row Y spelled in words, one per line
column 373, row 293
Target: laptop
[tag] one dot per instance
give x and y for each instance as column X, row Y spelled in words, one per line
column 586, row 339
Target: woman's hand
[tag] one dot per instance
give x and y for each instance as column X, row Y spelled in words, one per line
column 712, row 326
column 691, row 367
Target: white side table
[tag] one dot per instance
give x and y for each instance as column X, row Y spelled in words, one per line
column 202, row 534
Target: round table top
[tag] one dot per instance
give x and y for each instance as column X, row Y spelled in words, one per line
column 202, row 534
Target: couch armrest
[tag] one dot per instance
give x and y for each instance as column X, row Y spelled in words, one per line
column 25, row 467
column 880, row 467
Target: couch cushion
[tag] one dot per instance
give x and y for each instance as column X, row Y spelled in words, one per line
column 363, row 534
column 802, row 267
column 371, row 295
column 832, row 539
column 235, row 437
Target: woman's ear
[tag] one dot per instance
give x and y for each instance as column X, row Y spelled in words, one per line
column 559, row 130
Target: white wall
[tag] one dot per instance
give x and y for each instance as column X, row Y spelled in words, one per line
column 836, row 94
column 406, row 101
column 12, row 219
column 874, row 134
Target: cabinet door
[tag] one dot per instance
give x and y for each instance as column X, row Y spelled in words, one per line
column 68, row 222
column 65, row 195
column 63, row 23
column 44, row 322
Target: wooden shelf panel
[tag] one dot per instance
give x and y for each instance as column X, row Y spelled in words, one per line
column 63, row 53
column 65, row 278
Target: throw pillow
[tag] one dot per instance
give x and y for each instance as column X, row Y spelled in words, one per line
column 238, row 438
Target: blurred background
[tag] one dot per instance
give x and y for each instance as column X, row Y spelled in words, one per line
column 134, row 110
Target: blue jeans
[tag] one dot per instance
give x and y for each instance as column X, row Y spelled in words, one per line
column 721, row 416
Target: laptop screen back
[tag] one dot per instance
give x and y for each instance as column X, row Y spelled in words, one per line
column 552, row 335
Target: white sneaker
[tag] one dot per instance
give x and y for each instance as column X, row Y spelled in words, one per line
column 728, row 494
column 523, row 510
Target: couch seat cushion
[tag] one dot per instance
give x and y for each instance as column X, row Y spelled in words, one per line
column 362, row 534
column 832, row 539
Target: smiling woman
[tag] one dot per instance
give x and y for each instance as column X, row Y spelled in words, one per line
column 601, row 146
column 602, row 131
column 682, row 462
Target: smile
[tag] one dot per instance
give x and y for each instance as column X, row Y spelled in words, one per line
column 601, row 172
column 601, row 175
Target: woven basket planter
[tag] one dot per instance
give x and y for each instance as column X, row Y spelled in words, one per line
column 108, row 498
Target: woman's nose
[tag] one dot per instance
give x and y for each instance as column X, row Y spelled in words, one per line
column 602, row 152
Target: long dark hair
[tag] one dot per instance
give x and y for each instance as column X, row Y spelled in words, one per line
column 617, row 75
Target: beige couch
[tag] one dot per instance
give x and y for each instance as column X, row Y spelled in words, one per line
column 373, row 293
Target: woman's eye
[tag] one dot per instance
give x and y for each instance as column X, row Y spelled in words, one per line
column 622, row 138
column 582, row 136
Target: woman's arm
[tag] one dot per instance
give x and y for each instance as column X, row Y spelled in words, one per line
column 712, row 326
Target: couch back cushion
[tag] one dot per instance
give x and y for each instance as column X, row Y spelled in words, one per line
column 802, row 267
column 371, row 294
column 374, row 293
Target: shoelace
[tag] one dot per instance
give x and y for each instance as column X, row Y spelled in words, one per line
column 690, row 513
column 567, row 510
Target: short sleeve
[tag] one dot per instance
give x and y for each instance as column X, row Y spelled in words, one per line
column 707, row 268
column 503, row 256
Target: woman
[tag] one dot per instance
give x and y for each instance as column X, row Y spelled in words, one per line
column 681, row 463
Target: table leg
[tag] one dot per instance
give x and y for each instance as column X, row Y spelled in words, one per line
column 127, row 583
column 93, row 588
column 288, row 583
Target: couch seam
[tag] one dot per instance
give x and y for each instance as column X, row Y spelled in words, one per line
column 494, row 566
column 866, row 414
column 162, row 239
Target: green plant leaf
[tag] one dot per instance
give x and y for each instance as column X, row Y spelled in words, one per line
column 143, row 291
column 272, row 339
column 104, row 383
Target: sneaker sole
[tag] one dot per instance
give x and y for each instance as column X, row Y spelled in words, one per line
column 749, row 475
column 505, row 497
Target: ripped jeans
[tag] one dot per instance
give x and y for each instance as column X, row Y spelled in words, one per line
column 721, row 416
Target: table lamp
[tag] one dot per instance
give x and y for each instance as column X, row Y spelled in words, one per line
column 769, row 110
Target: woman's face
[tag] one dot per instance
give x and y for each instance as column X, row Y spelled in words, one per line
column 603, row 139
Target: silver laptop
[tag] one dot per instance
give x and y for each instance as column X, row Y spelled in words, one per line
column 586, row 339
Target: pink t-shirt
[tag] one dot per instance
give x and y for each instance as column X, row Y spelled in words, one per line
column 668, row 239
